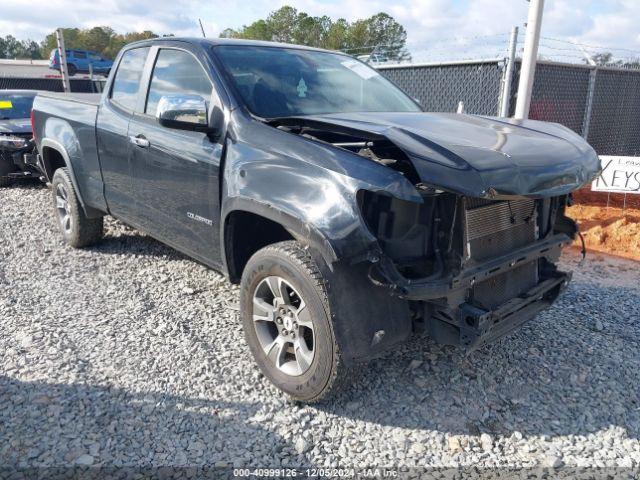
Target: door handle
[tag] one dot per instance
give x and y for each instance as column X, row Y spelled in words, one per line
column 140, row 141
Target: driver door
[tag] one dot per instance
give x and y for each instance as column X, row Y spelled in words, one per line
column 175, row 172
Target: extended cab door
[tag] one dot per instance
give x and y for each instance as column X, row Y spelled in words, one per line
column 176, row 172
column 112, row 127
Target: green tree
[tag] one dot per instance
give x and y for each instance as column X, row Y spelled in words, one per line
column 336, row 35
column 71, row 40
column 97, row 39
column 11, row 47
column 103, row 40
column 601, row 59
column 288, row 25
column 283, row 24
column 390, row 37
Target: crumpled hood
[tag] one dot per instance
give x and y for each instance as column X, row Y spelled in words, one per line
column 480, row 156
column 18, row 125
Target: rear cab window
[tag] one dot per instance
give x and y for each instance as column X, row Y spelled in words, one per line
column 126, row 83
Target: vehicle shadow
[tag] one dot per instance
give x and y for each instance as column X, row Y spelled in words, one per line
column 53, row 424
column 25, row 184
column 128, row 241
column 558, row 375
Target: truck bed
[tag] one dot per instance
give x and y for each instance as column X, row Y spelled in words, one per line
column 72, row 116
column 86, row 98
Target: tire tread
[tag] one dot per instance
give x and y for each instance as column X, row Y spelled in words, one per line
column 88, row 231
column 301, row 255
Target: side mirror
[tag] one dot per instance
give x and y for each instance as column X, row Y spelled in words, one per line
column 183, row 112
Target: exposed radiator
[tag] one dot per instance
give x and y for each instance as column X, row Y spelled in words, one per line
column 494, row 229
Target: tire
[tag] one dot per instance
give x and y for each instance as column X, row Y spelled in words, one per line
column 77, row 230
column 308, row 366
column 5, row 169
column 71, row 69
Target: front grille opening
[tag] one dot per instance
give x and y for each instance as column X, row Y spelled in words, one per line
column 495, row 291
column 496, row 228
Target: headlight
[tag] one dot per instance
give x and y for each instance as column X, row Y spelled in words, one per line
column 9, row 142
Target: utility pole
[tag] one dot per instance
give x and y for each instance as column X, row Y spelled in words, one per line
column 529, row 58
column 202, row 29
column 508, row 74
column 62, row 53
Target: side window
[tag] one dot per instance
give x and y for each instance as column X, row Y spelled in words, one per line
column 176, row 71
column 127, row 80
column 77, row 54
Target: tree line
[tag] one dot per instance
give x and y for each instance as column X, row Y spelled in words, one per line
column 99, row 39
column 288, row 25
column 380, row 32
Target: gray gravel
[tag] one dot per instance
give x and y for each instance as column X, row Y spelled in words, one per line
column 129, row 353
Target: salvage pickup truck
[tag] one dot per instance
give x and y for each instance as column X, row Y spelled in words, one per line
column 350, row 217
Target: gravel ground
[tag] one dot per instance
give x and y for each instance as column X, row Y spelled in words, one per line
column 130, row 354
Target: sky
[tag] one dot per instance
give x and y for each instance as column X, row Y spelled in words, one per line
column 437, row 29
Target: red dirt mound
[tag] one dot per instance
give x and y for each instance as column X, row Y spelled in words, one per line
column 609, row 230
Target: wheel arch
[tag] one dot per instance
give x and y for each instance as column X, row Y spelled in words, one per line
column 237, row 247
column 54, row 156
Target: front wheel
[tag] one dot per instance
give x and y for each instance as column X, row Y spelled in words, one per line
column 287, row 322
column 77, row 230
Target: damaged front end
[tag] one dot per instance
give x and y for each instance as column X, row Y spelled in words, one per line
column 472, row 269
column 476, row 258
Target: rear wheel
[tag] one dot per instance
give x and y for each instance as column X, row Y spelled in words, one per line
column 77, row 230
column 287, row 322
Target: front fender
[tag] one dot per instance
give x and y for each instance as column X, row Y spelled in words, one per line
column 309, row 188
column 298, row 229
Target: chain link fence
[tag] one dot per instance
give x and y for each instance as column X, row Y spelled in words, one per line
column 560, row 94
column 614, row 127
column 440, row 87
column 49, row 84
column 599, row 103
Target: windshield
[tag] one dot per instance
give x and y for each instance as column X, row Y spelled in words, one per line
column 282, row 82
column 14, row 106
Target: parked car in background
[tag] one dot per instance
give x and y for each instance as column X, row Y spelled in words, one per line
column 17, row 148
column 78, row 61
column 350, row 217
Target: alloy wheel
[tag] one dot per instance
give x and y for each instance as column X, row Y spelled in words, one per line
column 283, row 325
column 63, row 208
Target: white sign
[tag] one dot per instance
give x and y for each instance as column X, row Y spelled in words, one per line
column 619, row 175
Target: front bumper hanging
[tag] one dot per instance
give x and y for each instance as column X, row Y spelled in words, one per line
column 479, row 327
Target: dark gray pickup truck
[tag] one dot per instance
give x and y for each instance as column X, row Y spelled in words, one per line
column 349, row 216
